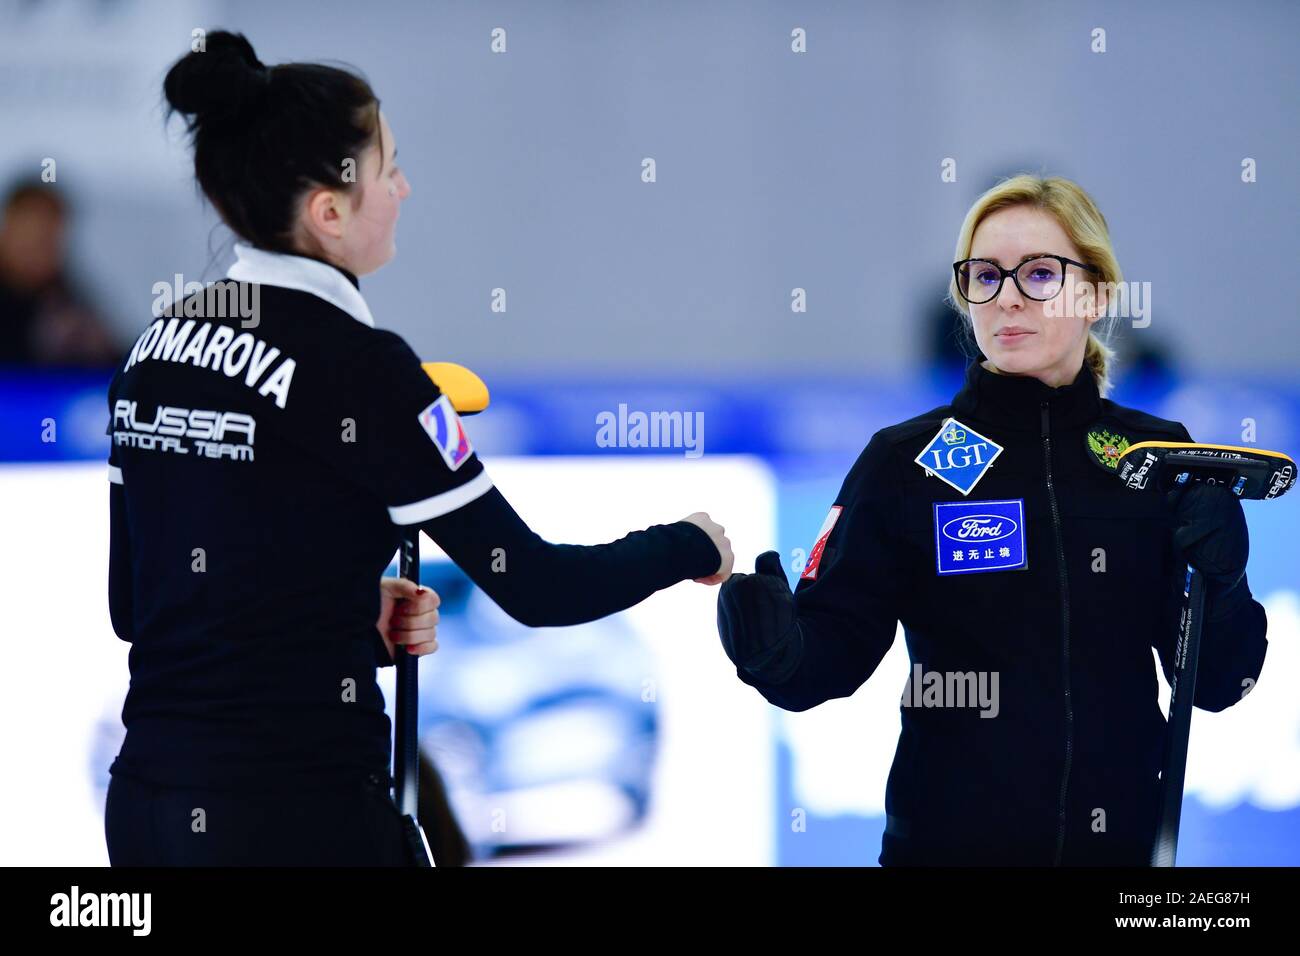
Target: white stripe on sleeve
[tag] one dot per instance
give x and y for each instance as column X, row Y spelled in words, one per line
column 445, row 503
column 115, row 474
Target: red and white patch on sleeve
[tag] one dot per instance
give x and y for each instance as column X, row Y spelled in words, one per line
column 443, row 425
column 814, row 559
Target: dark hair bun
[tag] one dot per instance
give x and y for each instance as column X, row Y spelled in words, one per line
column 219, row 81
column 262, row 136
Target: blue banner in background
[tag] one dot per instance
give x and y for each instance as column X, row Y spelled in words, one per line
column 808, row 423
column 53, row 416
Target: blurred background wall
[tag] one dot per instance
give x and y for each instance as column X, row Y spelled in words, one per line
column 775, row 170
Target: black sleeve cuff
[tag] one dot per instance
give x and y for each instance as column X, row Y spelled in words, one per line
column 703, row 557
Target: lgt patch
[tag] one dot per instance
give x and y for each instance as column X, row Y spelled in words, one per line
column 959, row 455
column 979, row 536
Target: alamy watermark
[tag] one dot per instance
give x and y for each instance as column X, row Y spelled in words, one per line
column 1125, row 300
column 636, row 429
column 76, row 908
column 224, row 299
column 952, row 689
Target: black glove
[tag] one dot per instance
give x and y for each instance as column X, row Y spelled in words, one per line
column 1210, row 532
column 756, row 621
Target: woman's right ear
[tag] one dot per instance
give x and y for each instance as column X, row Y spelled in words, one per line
column 324, row 216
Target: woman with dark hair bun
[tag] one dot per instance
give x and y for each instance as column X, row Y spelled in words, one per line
column 261, row 134
column 262, row 466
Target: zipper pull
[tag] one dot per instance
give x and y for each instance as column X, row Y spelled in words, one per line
column 1045, row 418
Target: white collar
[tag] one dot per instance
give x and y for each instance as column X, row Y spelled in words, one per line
column 299, row 272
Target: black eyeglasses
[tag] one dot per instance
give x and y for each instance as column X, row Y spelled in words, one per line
column 1040, row 278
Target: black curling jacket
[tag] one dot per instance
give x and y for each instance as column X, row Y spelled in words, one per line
column 270, row 445
column 1064, row 770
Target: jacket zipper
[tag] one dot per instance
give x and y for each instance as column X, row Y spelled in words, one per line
column 1065, row 635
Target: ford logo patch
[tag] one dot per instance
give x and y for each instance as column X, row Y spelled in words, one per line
column 980, row 528
column 979, row 536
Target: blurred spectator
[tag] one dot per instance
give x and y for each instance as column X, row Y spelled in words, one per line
column 44, row 320
column 447, row 841
column 947, row 344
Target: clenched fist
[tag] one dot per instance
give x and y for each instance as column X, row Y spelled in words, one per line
column 408, row 615
column 717, row 534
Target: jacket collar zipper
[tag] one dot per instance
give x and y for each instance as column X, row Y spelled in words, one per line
column 1045, row 418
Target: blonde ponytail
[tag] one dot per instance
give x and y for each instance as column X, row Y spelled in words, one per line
column 1097, row 356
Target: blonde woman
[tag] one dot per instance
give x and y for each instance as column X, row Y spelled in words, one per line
column 1030, row 583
